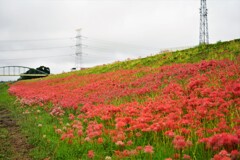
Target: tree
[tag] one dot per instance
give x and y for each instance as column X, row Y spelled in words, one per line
column 39, row 70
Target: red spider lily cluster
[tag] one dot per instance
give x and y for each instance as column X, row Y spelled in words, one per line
column 186, row 104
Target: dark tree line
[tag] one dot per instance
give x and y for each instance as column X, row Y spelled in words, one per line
column 39, row 70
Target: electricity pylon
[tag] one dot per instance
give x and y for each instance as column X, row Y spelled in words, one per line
column 203, row 37
column 78, row 52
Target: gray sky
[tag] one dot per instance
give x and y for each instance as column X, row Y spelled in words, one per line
column 112, row 29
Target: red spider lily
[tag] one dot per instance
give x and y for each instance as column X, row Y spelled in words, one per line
column 90, row 154
column 185, row 156
column 179, row 142
column 225, row 140
column 170, row 134
column 235, row 154
column 120, row 143
column 148, row 149
column 68, row 135
column 129, row 143
column 71, row 117
column 94, row 129
column 222, row 155
column 100, row 140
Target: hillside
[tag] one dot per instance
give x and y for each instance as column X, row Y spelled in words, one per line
column 174, row 105
column 219, row 51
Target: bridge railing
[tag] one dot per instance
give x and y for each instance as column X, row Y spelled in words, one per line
column 20, row 71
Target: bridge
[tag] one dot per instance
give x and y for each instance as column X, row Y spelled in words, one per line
column 21, row 71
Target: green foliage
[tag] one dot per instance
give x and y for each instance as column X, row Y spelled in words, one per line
column 218, row 51
column 39, row 70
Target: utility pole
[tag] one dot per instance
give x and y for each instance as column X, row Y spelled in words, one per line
column 203, row 36
column 78, row 58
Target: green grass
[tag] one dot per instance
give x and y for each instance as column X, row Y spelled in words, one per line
column 221, row 50
column 5, row 146
column 28, row 124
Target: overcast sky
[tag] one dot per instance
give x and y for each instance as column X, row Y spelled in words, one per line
column 112, row 29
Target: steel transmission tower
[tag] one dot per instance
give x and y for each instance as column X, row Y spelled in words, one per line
column 203, row 37
column 78, row 58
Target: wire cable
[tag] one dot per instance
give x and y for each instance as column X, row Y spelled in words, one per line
column 120, row 44
column 31, row 49
column 37, row 57
column 31, row 40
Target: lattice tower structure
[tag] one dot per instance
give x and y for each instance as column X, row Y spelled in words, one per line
column 78, row 52
column 204, row 36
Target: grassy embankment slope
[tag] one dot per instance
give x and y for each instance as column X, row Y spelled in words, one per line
column 168, row 102
column 219, row 51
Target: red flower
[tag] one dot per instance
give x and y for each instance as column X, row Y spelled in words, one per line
column 185, row 156
column 100, row 140
column 120, row 143
column 148, row 149
column 226, row 140
column 90, row 154
column 179, row 142
column 235, row 155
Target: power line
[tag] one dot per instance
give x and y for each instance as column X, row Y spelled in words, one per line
column 121, row 44
column 31, row 49
column 105, row 46
column 40, row 39
column 30, row 40
column 37, row 57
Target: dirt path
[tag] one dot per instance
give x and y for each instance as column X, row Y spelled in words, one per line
column 13, row 145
